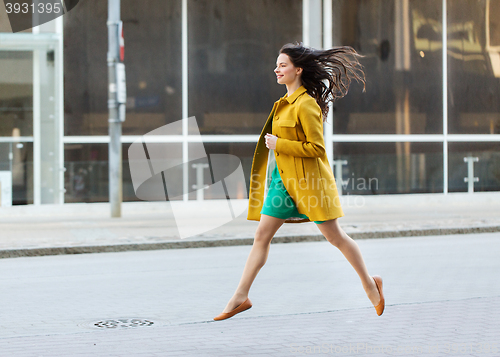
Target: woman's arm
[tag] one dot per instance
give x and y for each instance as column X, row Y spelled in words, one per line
column 311, row 119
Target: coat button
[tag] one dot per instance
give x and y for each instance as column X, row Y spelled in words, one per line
column 281, row 171
column 277, row 154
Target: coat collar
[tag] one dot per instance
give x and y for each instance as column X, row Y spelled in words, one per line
column 295, row 94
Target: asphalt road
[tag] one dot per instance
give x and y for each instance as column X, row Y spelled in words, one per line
column 442, row 299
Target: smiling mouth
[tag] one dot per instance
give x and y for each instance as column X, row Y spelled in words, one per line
column 279, row 76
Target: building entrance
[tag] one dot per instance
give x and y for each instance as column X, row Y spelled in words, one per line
column 31, row 126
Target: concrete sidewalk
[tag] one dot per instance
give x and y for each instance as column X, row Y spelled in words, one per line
column 88, row 228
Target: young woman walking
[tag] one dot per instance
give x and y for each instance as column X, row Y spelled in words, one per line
column 302, row 186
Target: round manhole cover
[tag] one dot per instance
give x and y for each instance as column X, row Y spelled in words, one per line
column 122, row 323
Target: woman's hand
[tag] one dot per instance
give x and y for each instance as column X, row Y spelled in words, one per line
column 271, row 141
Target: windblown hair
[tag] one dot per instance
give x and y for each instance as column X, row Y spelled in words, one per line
column 335, row 66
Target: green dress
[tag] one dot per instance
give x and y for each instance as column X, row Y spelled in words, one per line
column 278, row 202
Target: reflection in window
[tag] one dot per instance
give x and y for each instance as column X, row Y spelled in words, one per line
column 487, row 168
column 493, row 12
column 16, row 162
column 86, row 175
column 386, row 168
column 233, row 46
column 473, row 67
column 152, row 59
column 244, row 151
column 16, row 93
column 401, row 43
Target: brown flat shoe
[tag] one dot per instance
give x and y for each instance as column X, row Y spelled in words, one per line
column 245, row 305
column 380, row 307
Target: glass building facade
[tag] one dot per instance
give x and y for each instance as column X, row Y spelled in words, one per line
column 432, row 92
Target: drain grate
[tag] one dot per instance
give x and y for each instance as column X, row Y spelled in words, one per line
column 123, row 323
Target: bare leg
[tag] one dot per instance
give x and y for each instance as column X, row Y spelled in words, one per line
column 268, row 226
column 336, row 236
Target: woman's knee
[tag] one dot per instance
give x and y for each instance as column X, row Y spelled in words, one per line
column 335, row 239
column 267, row 228
column 262, row 237
column 333, row 233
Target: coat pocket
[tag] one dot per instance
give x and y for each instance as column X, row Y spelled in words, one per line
column 289, row 123
column 299, row 169
column 288, row 129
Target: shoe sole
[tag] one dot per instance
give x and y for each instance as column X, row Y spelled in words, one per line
column 245, row 305
column 381, row 305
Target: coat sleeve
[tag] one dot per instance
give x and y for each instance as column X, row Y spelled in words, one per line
column 311, row 119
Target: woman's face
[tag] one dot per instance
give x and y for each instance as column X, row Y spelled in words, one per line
column 286, row 72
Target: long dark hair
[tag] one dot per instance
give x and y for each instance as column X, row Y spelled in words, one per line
column 336, row 65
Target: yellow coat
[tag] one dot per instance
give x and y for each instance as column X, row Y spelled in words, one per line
column 301, row 158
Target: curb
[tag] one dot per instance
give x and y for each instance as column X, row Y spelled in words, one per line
column 33, row 252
